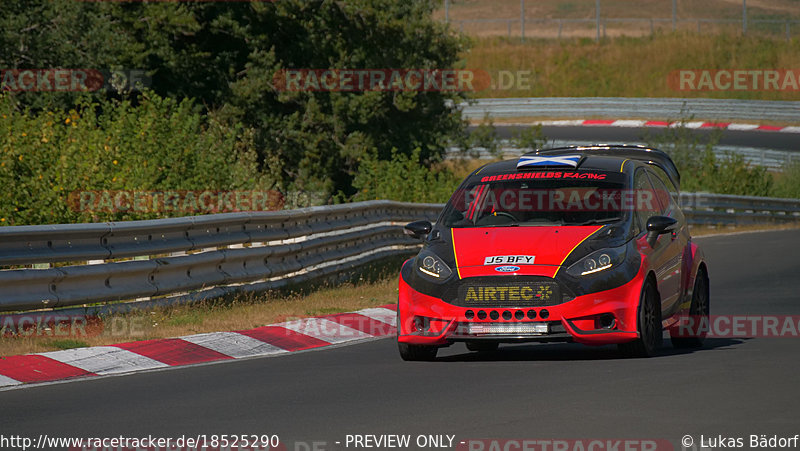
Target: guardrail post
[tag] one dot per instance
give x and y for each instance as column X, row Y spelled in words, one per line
column 744, row 16
column 674, row 15
column 561, row 25
column 597, row 19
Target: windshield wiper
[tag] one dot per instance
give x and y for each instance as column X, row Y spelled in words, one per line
column 512, row 224
column 599, row 221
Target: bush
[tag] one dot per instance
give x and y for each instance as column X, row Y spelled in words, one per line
column 529, row 138
column 403, row 179
column 787, row 183
column 702, row 170
column 227, row 56
column 483, row 136
column 162, row 144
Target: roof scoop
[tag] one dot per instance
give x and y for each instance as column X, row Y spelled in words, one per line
column 528, row 161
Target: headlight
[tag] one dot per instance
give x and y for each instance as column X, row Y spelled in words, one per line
column 598, row 261
column 432, row 267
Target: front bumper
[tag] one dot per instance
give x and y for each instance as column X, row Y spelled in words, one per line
column 601, row 318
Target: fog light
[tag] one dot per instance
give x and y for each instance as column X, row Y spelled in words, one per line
column 605, row 321
column 420, row 324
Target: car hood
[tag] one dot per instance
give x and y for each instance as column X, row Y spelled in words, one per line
column 549, row 247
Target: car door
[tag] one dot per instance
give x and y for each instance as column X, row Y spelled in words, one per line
column 658, row 254
column 674, row 244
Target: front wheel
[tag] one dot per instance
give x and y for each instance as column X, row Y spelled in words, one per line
column 417, row 352
column 648, row 325
column 414, row 353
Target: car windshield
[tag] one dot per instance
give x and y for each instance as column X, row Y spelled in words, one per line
column 539, row 202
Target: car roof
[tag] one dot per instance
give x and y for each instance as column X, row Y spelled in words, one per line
column 599, row 157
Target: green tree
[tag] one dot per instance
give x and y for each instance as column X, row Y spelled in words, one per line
column 226, row 56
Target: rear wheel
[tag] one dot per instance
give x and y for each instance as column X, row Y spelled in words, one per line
column 648, row 325
column 482, row 346
column 699, row 312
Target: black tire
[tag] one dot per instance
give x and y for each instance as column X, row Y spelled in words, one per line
column 648, row 325
column 482, row 346
column 414, row 353
column 701, row 307
column 417, row 353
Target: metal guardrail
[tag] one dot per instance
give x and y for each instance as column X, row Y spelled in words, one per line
column 201, row 257
column 725, row 209
column 554, row 27
column 633, row 108
column 78, row 264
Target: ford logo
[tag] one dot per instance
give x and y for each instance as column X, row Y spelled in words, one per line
column 507, row 268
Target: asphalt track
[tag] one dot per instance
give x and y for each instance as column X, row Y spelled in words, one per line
column 731, row 387
column 617, row 135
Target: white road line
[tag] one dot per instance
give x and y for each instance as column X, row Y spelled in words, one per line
column 233, row 344
column 383, row 315
column 325, row 330
column 104, row 360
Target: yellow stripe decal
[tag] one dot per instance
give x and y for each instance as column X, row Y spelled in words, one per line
column 455, row 254
column 576, row 246
column 622, row 165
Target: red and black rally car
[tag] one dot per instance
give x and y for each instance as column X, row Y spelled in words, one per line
column 581, row 244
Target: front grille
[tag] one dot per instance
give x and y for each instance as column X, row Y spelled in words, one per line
column 507, row 291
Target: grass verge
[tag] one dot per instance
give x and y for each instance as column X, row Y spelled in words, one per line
column 626, row 66
column 373, row 286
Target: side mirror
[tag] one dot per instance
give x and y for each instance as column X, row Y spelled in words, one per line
column 658, row 225
column 418, row 229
